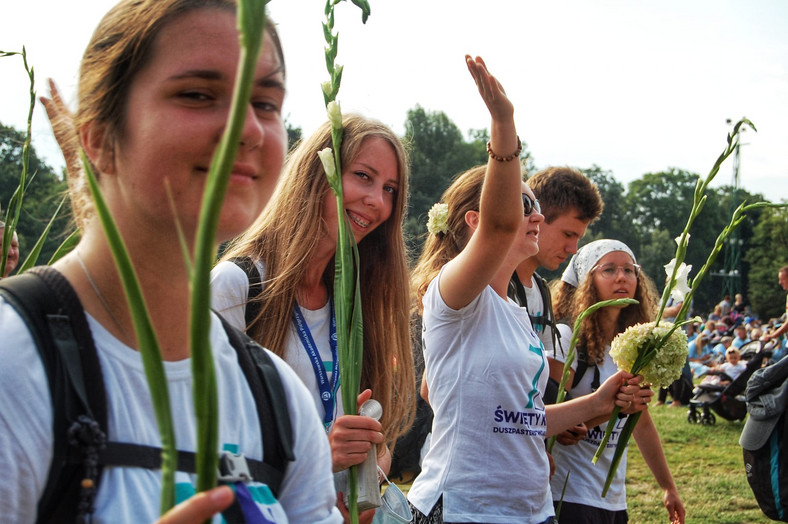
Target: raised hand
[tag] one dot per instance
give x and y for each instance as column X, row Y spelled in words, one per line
column 62, row 121
column 490, row 89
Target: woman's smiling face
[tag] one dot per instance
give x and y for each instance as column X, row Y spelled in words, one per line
column 369, row 184
column 176, row 111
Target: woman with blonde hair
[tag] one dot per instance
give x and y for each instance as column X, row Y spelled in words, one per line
column 292, row 246
column 604, row 270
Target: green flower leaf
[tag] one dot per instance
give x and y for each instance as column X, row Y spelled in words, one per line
column 365, row 10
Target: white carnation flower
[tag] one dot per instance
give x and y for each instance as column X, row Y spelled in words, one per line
column 438, row 218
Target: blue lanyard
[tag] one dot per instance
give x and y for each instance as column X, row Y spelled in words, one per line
column 328, row 390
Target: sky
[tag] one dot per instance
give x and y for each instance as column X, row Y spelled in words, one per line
column 632, row 86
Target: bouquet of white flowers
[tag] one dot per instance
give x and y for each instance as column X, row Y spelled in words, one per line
column 658, row 349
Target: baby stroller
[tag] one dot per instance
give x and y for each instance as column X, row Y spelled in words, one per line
column 727, row 400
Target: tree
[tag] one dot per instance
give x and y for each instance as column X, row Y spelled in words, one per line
column 44, row 192
column 767, row 253
column 294, row 135
column 613, row 222
column 655, row 251
column 438, row 154
column 660, row 201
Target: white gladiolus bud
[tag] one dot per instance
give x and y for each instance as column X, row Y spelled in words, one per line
column 326, row 88
column 334, row 114
column 327, row 159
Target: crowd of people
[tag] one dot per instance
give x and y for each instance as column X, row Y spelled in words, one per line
column 155, row 87
column 717, row 340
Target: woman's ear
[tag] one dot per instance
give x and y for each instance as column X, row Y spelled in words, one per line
column 97, row 148
column 472, row 219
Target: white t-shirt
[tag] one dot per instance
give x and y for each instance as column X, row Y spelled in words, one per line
column 132, row 494
column 734, row 370
column 229, row 294
column 587, row 480
column 485, row 369
column 563, row 333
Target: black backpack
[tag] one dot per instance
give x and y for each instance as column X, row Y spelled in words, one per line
column 253, row 306
column 767, row 472
column 767, row 466
column 53, row 313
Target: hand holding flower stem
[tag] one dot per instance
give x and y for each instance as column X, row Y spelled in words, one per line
column 659, row 336
column 347, row 289
column 570, row 355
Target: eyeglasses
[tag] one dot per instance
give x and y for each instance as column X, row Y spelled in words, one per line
column 530, row 205
column 609, row 271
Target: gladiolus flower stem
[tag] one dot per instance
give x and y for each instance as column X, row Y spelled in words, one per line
column 570, row 355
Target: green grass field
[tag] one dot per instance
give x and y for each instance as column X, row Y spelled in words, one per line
column 706, row 462
column 707, row 465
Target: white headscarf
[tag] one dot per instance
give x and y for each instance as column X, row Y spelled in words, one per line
column 587, row 257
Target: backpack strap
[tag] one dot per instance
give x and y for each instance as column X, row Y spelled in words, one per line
column 582, row 367
column 53, row 313
column 549, row 314
column 269, row 394
column 547, row 318
column 275, row 429
column 253, row 305
column 516, row 291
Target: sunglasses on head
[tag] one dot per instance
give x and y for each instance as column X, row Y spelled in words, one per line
column 530, row 205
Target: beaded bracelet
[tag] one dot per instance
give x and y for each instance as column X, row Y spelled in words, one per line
column 509, row 158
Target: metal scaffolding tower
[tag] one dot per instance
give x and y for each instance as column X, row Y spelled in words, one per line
column 731, row 272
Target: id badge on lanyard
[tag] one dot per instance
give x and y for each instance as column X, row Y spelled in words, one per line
column 328, row 388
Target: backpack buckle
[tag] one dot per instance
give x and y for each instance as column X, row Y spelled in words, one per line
column 233, row 468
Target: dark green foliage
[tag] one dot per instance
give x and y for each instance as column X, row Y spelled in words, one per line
column 654, row 211
column 614, row 216
column 657, row 250
column 766, row 253
column 661, row 201
column 294, row 135
column 44, row 192
column 438, row 154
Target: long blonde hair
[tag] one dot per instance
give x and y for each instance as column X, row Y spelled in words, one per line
column 463, row 195
column 287, row 233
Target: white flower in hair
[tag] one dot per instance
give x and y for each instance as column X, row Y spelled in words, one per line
column 438, row 218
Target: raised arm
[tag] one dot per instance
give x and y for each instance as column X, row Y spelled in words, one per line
column 500, row 212
column 62, row 121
